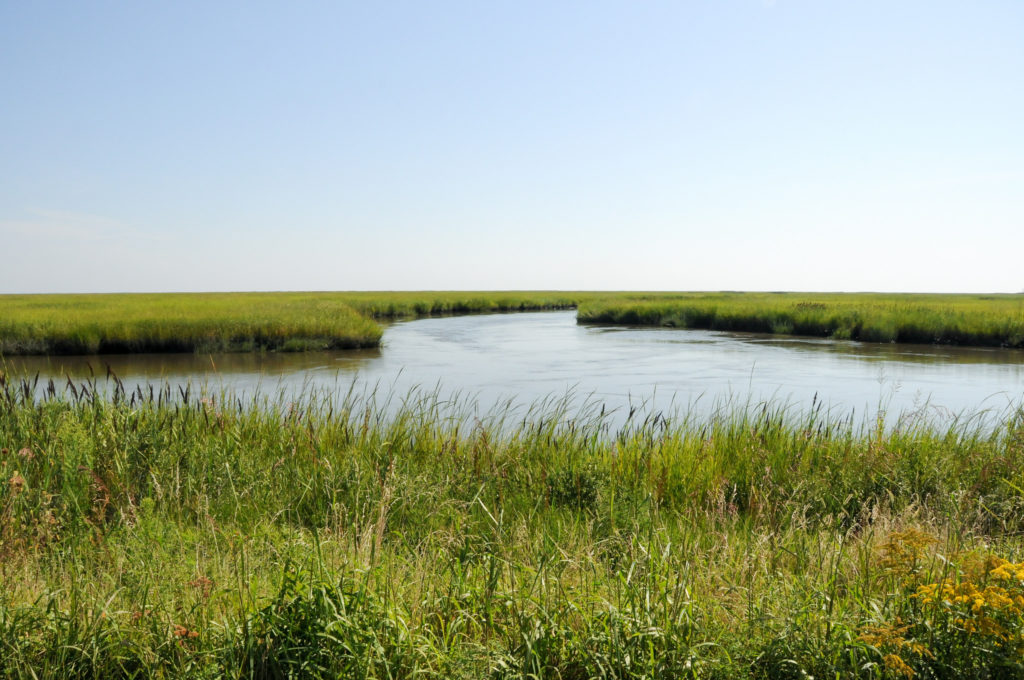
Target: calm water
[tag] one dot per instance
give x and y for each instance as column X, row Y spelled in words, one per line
column 528, row 357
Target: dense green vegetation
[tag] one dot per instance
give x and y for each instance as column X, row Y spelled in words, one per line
column 186, row 322
column 153, row 534
column 391, row 304
column 982, row 320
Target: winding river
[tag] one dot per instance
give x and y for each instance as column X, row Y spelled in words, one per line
column 529, row 357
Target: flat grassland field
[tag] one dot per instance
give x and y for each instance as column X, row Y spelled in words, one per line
column 187, row 322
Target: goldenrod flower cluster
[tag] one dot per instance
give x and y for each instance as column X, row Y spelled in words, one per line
column 904, row 551
column 1008, row 571
column 895, row 636
column 980, row 609
column 895, row 664
column 984, row 609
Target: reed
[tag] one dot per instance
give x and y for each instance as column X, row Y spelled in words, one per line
column 186, row 534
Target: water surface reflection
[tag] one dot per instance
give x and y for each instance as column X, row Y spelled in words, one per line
column 532, row 356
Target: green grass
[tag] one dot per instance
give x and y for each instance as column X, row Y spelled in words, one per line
column 980, row 320
column 121, row 323
column 190, row 322
column 395, row 304
column 147, row 536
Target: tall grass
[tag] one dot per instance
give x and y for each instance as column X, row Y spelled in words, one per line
column 90, row 324
column 154, row 534
column 981, row 320
column 395, row 304
column 87, row 324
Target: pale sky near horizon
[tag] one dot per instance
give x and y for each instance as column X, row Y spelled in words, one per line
column 700, row 145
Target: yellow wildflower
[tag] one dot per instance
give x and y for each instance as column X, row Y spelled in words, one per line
column 895, row 664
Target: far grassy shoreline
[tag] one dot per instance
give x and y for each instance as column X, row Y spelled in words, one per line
column 241, row 322
column 934, row 319
column 125, row 323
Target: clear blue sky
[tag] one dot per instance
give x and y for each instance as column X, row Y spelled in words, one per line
column 698, row 145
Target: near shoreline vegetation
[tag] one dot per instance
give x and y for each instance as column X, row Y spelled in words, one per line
column 160, row 534
column 217, row 322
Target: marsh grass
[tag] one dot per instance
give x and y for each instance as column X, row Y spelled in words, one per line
column 980, row 320
column 215, row 322
column 152, row 534
column 210, row 322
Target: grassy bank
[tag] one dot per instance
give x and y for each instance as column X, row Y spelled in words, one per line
column 209, row 322
column 393, row 304
column 89, row 324
column 979, row 320
column 151, row 537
